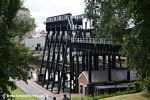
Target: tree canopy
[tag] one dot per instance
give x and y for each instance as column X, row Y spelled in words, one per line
column 126, row 21
column 15, row 59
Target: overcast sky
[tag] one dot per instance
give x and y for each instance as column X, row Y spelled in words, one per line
column 41, row 9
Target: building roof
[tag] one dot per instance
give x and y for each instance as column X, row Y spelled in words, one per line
column 116, row 75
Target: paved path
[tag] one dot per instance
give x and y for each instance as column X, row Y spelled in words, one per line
column 33, row 88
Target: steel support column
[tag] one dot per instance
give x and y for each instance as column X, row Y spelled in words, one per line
column 77, row 72
column 104, row 62
column 109, row 68
column 95, row 62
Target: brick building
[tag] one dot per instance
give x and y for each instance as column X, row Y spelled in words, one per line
column 101, row 82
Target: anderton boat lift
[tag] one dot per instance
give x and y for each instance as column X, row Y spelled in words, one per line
column 76, row 61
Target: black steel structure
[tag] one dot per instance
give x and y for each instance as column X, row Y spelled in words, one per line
column 70, row 49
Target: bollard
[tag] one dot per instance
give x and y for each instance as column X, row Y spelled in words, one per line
column 54, row 98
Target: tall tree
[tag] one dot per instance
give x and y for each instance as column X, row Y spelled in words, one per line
column 15, row 59
column 126, row 21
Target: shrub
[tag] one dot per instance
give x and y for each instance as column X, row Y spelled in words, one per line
column 147, row 83
column 137, row 86
column 129, row 87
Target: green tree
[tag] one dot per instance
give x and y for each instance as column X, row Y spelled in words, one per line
column 15, row 59
column 127, row 22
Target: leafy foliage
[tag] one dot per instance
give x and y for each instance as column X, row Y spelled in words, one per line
column 15, row 59
column 126, row 21
column 147, row 83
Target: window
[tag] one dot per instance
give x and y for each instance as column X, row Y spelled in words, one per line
column 57, row 18
column 52, row 19
column 85, row 25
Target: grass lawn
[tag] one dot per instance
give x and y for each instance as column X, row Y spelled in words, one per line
column 135, row 96
column 18, row 92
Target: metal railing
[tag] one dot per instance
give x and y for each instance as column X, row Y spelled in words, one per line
column 87, row 40
column 91, row 40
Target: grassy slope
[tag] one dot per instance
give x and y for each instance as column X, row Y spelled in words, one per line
column 20, row 92
column 135, row 96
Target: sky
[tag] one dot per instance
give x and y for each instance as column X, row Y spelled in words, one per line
column 41, row 9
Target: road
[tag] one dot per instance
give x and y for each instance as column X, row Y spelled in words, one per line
column 32, row 89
